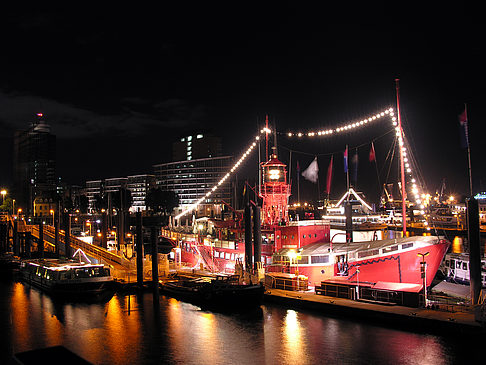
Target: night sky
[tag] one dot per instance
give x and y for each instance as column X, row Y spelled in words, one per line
column 119, row 85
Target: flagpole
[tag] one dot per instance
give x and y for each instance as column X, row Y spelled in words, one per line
column 347, row 170
column 402, row 166
column 298, row 184
column 468, row 152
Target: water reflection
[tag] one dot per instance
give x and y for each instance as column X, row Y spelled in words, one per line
column 127, row 330
column 293, row 338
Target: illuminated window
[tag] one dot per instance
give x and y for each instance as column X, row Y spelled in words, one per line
column 199, row 136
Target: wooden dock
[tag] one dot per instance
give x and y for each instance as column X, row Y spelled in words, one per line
column 424, row 320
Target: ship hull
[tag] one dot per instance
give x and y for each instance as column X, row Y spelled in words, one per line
column 399, row 266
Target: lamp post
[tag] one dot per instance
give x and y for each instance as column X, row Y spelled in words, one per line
column 52, row 213
column 3, row 192
column 292, row 255
column 423, row 273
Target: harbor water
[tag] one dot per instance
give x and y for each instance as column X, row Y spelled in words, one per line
column 131, row 329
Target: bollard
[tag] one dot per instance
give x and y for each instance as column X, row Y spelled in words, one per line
column 257, row 236
column 40, row 244
column 473, row 236
column 139, row 242
column 56, row 235
column 15, row 239
column 104, row 230
column 28, row 244
column 248, row 243
column 67, row 236
column 155, row 263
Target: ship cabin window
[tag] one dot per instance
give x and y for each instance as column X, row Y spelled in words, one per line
column 447, row 263
column 315, row 235
column 216, row 254
column 407, row 245
column 83, row 273
column 368, row 253
column 458, row 264
column 320, row 259
column 304, row 260
column 390, row 249
column 292, row 236
column 66, row 275
column 227, row 255
column 280, row 259
column 464, row 265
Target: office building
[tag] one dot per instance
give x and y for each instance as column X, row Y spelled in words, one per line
column 139, row 186
column 34, row 163
column 192, row 179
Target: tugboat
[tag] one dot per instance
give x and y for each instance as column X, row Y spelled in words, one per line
column 223, row 293
column 67, row 278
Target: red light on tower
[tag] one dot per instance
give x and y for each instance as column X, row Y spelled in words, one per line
column 275, row 192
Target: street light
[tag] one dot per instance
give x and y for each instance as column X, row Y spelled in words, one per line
column 292, row 255
column 3, row 192
column 423, row 273
column 52, row 213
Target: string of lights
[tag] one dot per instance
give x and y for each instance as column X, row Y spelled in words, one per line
column 415, row 192
column 243, row 157
column 351, row 125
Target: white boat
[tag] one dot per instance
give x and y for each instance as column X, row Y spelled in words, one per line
column 455, row 268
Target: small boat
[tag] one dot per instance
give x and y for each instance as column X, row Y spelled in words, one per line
column 67, row 277
column 455, row 268
column 220, row 293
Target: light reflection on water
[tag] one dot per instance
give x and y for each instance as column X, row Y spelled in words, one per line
column 131, row 330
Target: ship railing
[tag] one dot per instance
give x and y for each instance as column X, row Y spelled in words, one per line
column 291, row 284
column 90, row 249
column 449, row 304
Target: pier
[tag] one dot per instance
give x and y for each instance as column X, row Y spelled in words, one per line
column 421, row 319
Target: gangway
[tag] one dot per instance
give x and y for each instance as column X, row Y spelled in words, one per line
column 75, row 243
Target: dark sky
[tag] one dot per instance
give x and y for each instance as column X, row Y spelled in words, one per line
column 118, row 85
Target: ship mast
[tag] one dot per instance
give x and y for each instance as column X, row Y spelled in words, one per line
column 402, row 166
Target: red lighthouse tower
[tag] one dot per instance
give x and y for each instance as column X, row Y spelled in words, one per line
column 275, row 192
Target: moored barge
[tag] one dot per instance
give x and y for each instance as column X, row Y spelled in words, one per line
column 67, row 278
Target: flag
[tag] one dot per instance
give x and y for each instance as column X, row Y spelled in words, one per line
column 329, row 177
column 372, row 156
column 311, row 172
column 346, row 160
column 464, row 129
column 355, row 167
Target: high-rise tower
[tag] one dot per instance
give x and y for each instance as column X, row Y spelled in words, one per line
column 34, row 163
